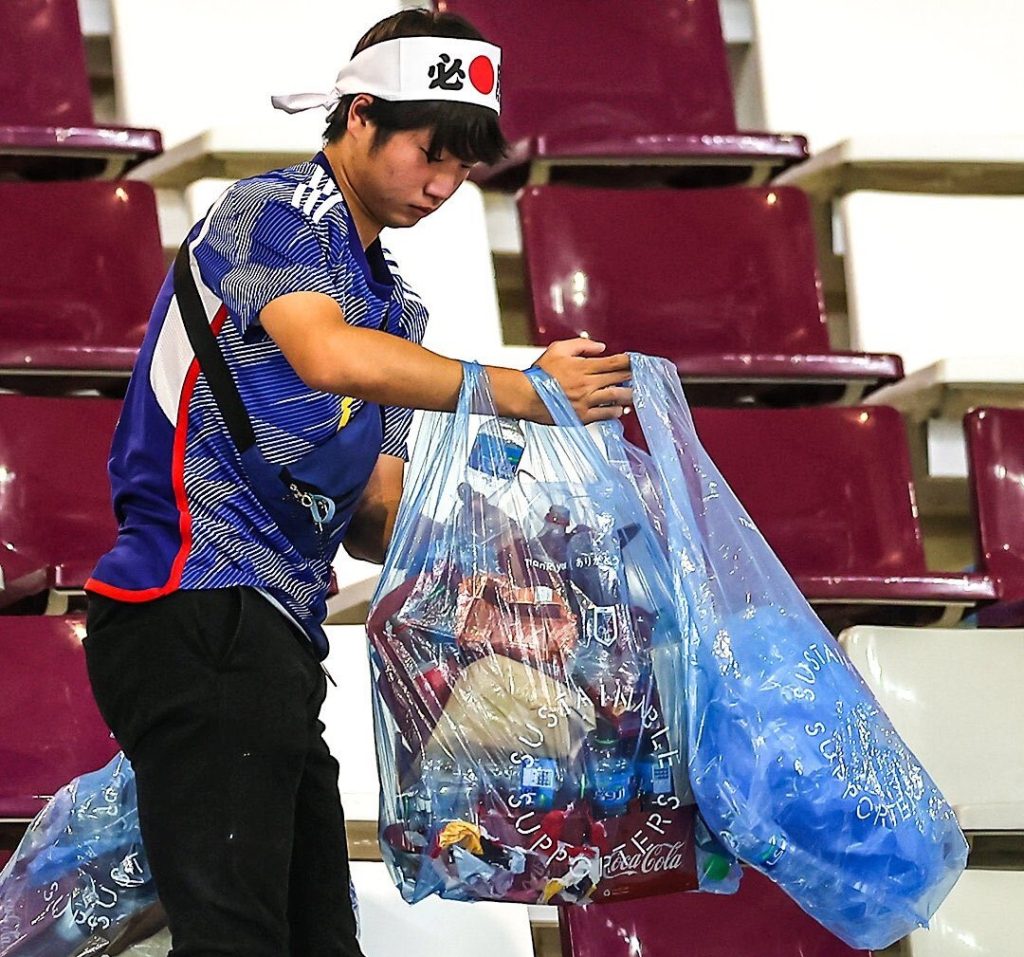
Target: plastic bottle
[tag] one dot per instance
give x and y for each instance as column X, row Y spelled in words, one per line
column 595, row 560
column 611, row 781
column 554, row 537
column 498, row 448
column 484, row 531
column 454, row 792
column 540, row 780
column 654, row 772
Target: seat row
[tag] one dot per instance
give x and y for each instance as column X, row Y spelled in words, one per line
column 950, row 693
column 830, row 488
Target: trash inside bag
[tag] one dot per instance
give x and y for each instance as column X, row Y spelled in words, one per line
column 80, row 868
column 793, row 764
column 520, row 733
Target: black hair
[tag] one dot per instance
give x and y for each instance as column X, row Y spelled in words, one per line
column 470, row 132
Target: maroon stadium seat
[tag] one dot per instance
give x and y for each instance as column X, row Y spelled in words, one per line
column 995, row 455
column 723, row 282
column 47, row 129
column 588, row 84
column 758, row 921
column 55, row 511
column 82, row 263
column 52, row 729
column 831, row 490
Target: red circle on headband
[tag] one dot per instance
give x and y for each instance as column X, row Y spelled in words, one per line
column 481, row 74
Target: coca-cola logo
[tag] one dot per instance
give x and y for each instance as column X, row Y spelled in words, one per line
column 655, row 859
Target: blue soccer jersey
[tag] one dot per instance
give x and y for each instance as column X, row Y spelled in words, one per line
column 187, row 516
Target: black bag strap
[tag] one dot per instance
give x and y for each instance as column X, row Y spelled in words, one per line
column 209, row 355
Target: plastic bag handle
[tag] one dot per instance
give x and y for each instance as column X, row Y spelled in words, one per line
column 554, row 399
column 658, row 399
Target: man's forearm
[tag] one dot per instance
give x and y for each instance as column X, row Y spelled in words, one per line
column 389, row 370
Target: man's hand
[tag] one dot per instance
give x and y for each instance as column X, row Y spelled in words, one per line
column 592, row 382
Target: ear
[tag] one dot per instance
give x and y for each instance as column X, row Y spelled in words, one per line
column 357, row 122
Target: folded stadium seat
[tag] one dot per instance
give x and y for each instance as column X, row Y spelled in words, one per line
column 831, row 490
column 721, row 281
column 588, row 90
column 953, row 695
column 929, row 276
column 995, row 446
column 52, row 730
column 81, row 266
column 932, row 276
column 982, row 917
column 55, row 514
column 758, row 921
column 217, row 121
column 391, row 928
column 930, row 99
column 348, row 718
column 47, row 128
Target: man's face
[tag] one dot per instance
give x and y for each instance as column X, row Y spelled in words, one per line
column 400, row 183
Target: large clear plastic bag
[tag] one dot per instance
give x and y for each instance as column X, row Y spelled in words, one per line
column 792, row 762
column 80, row 869
column 521, row 743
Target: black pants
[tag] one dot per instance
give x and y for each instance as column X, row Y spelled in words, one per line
column 215, row 698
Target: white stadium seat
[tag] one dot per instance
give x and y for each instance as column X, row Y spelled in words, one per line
column 982, row 917
column 348, row 717
column 198, row 65
column 389, row 927
column 932, row 276
column 834, row 69
column 954, row 697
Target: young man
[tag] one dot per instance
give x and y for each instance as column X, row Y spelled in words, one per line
column 265, row 425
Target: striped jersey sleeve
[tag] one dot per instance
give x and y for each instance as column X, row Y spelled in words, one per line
column 258, row 244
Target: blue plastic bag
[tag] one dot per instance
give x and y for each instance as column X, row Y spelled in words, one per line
column 792, row 762
column 79, row 869
column 80, row 872
column 521, row 745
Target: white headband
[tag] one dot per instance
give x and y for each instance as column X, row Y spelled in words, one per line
column 413, row 68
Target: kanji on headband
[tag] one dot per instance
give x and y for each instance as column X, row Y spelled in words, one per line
column 413, row 68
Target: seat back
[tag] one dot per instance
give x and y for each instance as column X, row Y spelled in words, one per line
column 931, row 277
column 598, row 69
column 830, row 488
column 43, row 79
column 55, row 494
column 918, row 66
column 347, row 715
column 674, row 272
column 52, row 729
column 270, row 51
column 995, row 456
column 82, row 265
column 982, row 915
column 758, row 921
column 953, row 695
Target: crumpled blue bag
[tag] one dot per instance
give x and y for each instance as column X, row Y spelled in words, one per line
column 79, row 869
column 792, row 762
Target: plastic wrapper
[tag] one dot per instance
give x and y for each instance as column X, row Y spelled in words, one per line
column 80, row 869
column 793, row 764
column 521, row 743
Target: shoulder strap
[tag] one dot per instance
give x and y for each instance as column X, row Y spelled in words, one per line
column 209, row 355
